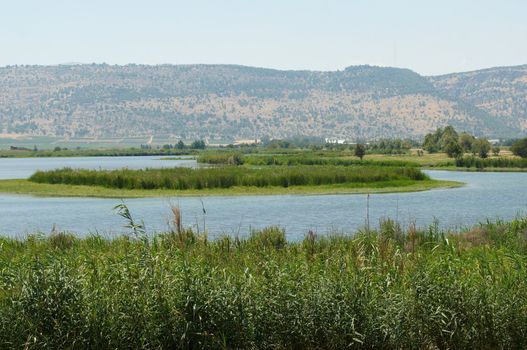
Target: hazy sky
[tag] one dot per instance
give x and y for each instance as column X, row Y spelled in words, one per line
column 430, row 37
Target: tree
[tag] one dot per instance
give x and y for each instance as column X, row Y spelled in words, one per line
column 496, row 151
column 482, row 147
column 235, row 159
column 180, row 145
column 360, row 150
column 431, row 144
column 466, row 140
column 519, row 148
column 448, row 136
column 198, row 144
column 453, row 149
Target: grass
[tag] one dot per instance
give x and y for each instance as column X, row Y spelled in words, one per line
column 61, row 190
column 495, row 162
column 314, row 159
column 389, row 288
column 426, row 160
column 115, row 152
column 226, row 177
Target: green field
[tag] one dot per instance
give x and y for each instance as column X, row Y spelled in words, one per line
column 388, row 288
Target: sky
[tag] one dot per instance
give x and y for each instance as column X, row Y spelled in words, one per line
column 429, row 37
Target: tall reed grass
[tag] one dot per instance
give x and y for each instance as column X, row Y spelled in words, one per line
column 379, row 289
column 500, row 162
column 226, row 177
column 321, row 158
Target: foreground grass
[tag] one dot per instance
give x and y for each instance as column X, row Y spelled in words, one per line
column 62, row 190
column 390, row 289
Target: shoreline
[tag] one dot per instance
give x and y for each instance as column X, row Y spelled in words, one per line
column 26, row 187
column 476, row 170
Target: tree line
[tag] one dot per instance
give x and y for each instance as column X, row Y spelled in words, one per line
column 448, row 140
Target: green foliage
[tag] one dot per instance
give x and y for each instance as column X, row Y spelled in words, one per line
column 466, row 140
column 519, row 148
column 116, row 152
column 448, row 136
column 501, row 162
column 321, row 159
column 388, row 288
column 359, row 150
column 390, row 146
column 180, row 145
column 431, row 142
column 198, row 144
column 453, row 149
column 481, row 147
column 447, row 140
column 496, row 151
column 221, row 158
column 226, row 177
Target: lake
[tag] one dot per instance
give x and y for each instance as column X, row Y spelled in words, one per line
column 22, row 168
column 485, row 196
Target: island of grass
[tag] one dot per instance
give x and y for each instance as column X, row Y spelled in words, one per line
column 227, row 180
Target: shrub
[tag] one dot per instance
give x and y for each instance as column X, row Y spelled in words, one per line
column 519, row 148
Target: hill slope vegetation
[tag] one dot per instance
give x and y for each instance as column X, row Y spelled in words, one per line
column 238, row 102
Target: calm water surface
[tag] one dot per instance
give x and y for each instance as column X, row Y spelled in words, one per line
column 21, row 168
column 486, row 196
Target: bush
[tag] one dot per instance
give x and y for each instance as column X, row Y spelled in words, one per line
column 221, row 158
column 519, row 148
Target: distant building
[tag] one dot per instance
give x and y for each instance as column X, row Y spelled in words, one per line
column 494, row 141
column 247, row 142
column 335, row 141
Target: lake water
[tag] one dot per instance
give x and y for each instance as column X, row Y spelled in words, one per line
column 485, row 196
column 22, row 168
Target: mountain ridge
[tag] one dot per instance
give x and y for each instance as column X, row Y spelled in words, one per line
column 236, row 101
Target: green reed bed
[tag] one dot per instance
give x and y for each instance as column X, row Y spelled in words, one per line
column 500, row 162
column 221, row 158
column 388, row 288
column 317, row 160
column 227, row 177
column 289, row 160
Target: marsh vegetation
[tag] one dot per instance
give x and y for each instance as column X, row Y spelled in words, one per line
column 386, row 288
column 227, row 177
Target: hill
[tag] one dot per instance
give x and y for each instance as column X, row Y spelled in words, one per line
column 501, row 92
column 233, row 102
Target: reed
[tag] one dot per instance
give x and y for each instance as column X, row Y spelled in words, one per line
column 498, row 162
column 386, row 288
column 227, row 177
column 305, row 158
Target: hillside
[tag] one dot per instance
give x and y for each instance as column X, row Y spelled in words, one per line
column 501, row 92
column 232, row 102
